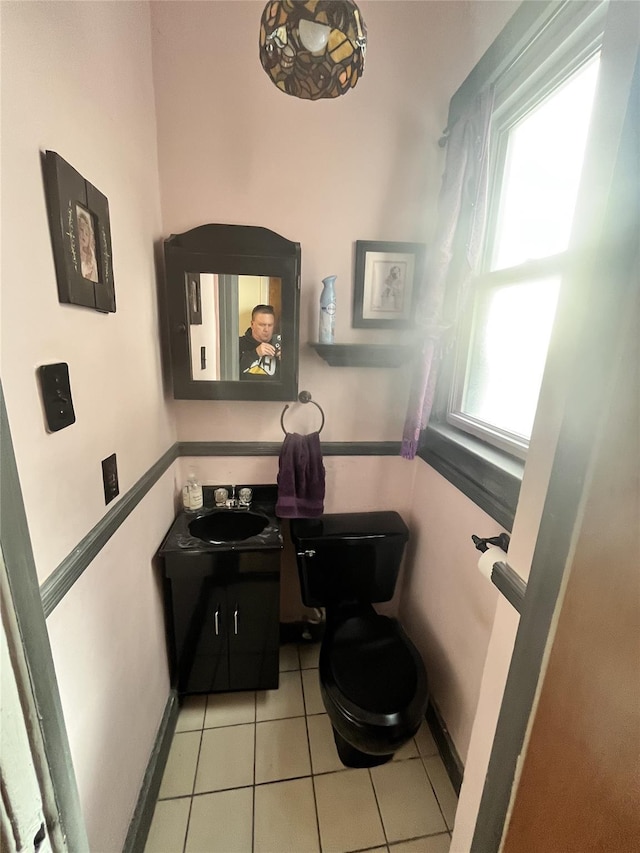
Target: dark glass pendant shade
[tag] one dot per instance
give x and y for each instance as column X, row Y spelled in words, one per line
column 313, row 49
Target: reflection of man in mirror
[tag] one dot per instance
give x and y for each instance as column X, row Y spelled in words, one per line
column 87, row 240
column 259, row 347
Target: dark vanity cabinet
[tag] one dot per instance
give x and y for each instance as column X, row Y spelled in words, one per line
column 223, row 615
column 222, row 597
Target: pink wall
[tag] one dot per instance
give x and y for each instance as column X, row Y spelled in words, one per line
column 367, row 166
column 108, row 641
column 446, row 604
column 77, row 79
column 99, row 116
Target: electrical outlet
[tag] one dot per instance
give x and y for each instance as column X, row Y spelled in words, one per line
column 110, row 478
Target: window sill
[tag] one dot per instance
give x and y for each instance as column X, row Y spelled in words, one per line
column 486, row 475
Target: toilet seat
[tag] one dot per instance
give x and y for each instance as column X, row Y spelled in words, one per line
column 371, row 664
column 372, row 681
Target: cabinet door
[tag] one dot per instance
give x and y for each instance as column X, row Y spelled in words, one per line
column 254, row 611
column 200, row 634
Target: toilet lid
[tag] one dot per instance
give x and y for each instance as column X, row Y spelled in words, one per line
column 372, row 666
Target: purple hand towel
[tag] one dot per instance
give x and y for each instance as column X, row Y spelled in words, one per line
column 301, row 477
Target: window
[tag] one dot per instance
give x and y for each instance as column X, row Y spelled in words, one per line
column 538, row 162
column 544, row 66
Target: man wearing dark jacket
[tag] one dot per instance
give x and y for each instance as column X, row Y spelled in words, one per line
column 259, row 352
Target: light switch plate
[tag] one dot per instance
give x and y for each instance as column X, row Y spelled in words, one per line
column 56, row 396
column 110, row 478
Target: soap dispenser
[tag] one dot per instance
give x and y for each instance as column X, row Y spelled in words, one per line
column 192, row 494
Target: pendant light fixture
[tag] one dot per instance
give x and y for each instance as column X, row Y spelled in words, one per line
column 313, row 48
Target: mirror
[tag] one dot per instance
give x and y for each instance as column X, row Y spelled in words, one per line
column 225, row 329
column 233, row 301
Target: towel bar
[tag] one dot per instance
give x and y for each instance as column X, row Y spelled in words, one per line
column 303, row 397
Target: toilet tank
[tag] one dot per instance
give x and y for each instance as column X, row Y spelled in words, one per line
column 352, row 556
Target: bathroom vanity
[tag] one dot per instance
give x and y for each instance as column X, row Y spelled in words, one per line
column 222, row 597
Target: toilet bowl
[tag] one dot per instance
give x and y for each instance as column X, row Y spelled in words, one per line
column 372, row 679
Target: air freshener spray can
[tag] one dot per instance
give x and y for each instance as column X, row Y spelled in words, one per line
column 327, row 328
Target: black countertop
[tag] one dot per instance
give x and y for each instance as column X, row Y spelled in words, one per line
column 179, row 539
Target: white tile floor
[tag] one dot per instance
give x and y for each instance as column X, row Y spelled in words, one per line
column 259, row 773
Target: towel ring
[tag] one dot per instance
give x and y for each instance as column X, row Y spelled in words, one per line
column 303, row 397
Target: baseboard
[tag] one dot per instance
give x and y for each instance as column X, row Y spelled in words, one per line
column 143, row 814
column 446, row 746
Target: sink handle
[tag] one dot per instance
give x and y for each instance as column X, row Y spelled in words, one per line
column 235, row 620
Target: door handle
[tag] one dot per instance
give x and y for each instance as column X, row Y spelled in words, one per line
column 216, row 621
column 309, row 553
column 235, row 620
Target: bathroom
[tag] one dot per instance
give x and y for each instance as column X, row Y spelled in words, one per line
column 164, row 107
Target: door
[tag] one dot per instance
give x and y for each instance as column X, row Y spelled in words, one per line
column 582, row 764
column 254, row 604
column 199, row 629
column 224, row 614
column 23, row 764
column 26, row 632
column 209, row 669
column 563, row 769
column 22, row 825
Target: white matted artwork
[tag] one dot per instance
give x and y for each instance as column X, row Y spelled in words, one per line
column 386, row 282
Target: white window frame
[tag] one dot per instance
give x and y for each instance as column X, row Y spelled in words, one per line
column 511, row 442
column 527, row 50
column 518, row 92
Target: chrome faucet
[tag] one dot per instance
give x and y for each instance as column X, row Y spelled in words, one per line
column 233, row 501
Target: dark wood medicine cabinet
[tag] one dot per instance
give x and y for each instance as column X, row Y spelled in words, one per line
column 215, row 275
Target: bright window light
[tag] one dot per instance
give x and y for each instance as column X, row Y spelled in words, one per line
column 507, row 355
column 542, row 172
column 501, row 363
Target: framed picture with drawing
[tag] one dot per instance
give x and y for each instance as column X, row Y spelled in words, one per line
column 80, row 235
column 386, row 284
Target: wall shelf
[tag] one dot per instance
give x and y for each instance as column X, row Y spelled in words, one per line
column 363, row 355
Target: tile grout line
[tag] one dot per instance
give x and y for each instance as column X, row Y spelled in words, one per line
column 343, row 769
column 186, row 829
column 433, row 788
column 253, row 819
column 255, row 758
column 375, row 795
column 313, row 784
column 195, row 774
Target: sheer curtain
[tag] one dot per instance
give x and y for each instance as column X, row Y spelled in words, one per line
column 454, row 256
